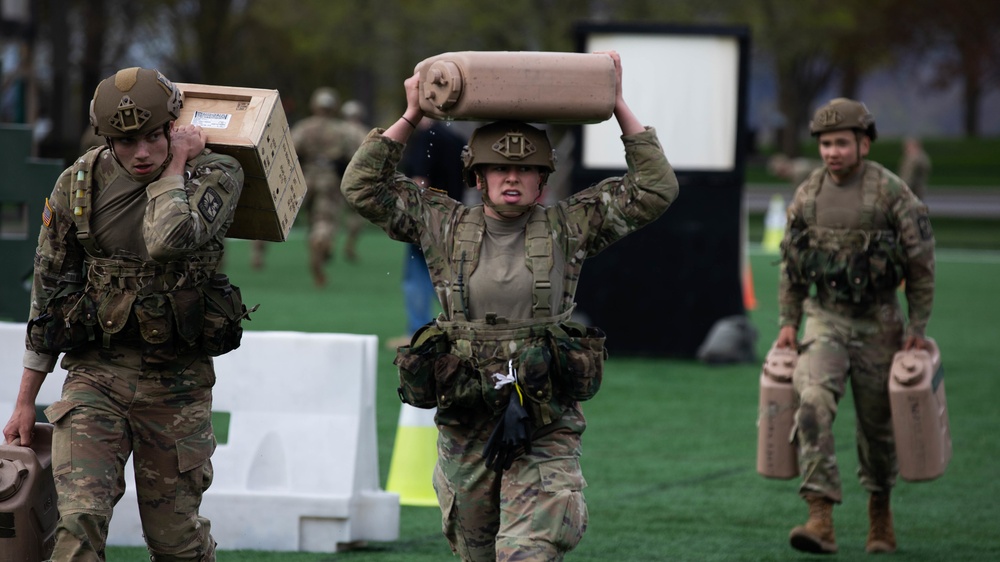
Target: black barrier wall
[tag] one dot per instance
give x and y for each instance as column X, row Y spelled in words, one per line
column 659, row 291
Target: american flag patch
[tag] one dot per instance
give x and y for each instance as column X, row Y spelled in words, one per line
column 47, row 213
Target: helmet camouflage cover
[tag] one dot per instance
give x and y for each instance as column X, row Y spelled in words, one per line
column 507, row 142
column 135, row 101
column 323, row 99
column 843, row 113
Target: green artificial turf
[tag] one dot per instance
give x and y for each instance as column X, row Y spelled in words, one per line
column 670, row 450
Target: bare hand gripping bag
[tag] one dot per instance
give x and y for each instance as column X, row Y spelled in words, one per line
column 919, row 413
column 527, row 86
column 776, row 453
column 28, row 510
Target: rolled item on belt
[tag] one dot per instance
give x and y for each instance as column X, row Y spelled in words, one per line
column 529, row 86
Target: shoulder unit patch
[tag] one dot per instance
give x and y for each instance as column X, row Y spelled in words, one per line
column 210, row 204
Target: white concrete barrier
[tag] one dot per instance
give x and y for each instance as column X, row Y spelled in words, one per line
column 299, row 471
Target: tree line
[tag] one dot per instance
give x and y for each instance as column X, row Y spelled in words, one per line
column 365, row 48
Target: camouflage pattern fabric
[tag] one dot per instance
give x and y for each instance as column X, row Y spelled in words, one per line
column 582, row 225
column 895, row 209
column 113, row 406
column 534, row 510
column 851, row 339
column 837, row 350
column 142, row 385
column 324, row 146
column 181, row 229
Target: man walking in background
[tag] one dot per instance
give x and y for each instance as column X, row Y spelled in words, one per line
column 855, row 231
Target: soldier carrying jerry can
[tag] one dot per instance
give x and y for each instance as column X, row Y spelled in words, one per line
column 128, row 290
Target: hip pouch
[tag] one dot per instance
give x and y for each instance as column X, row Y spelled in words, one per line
column 224, row 314
column 416, row 363
column 156, row 326
column 580, row 353
column 69, row 321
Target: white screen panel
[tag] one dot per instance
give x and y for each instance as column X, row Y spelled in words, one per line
column 687, row 86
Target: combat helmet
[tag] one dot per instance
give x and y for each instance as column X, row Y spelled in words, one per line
column 843, row 113
column 353, row 109
column 507, row 142
column 135, row 101
column 323, row 99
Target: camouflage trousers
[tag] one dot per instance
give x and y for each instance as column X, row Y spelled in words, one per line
column 113, row 406
column 327, row 208
column 533, row 511
column 837, row 349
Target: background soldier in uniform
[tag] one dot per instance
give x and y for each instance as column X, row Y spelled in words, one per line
column 125, row 284
column 855, row 231
column 796, row 170
column 915, row 166
column 504, row 365
column 354, row 115
column 325, row 144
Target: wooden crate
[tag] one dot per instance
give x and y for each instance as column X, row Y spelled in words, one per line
column 249, row 124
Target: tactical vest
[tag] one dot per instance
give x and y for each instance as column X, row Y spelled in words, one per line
column 465, row 259
column 166, row 309
column 847, row 265
column 450, row 364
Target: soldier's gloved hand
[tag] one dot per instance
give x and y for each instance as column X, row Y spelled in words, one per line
column 510, row 437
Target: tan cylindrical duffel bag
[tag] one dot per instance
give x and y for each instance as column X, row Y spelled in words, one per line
column 528, row 86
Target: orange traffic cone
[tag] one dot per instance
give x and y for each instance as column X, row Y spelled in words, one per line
column 749, row 296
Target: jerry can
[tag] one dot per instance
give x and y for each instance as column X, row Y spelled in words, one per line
column 919, row 413
column 776, row 453
column 28, row 510
column 529, row 86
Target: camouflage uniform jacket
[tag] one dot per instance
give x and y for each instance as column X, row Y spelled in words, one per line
column 890, row 211
column 182, row 230
column 325, row 142
column 581, row 226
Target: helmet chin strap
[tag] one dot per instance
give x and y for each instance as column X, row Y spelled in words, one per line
column 505, row 209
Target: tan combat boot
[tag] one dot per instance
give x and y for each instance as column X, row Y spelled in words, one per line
column 816, row 536
column 881, row 537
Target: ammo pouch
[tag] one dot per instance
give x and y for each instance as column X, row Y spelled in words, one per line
column 484, row 350
column 69, row 321
column 796, row 255
column 580, row 354
column 849, row 267
column 451, row 365
column 417, row 364
column 886, row 260
column 224, row 313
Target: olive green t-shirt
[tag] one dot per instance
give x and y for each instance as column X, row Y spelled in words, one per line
column 839, row 206
column 502, row 281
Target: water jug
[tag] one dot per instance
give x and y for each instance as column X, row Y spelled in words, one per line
column 529, row 86
column 776, row 453
column 28, row 510
column 919, row 413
